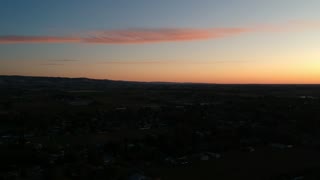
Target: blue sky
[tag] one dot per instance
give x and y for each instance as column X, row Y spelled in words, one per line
column 245, row 53
column 39, row 16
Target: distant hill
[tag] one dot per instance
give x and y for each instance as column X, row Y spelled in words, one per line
column 35, row 82
column 31, row 82
column 9, row 83
column 63, row 83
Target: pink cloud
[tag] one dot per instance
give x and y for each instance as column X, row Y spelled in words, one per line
column 130, row 36
column 37, row 39
column 142, row 36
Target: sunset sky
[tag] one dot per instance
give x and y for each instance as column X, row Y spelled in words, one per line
column 211, row 41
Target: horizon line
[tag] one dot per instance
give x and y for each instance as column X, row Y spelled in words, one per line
column 164, row 82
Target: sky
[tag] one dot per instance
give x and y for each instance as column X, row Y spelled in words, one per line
column 207, row 41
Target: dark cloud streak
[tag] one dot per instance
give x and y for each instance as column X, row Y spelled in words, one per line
column 159, row 62
column 51, row 64
column 63, row 60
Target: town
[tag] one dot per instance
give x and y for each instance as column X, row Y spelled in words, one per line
column 61, row 128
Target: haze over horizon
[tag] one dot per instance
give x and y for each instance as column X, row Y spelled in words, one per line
column 205, row 41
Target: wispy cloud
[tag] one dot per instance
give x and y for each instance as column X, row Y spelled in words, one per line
column 37, row 39
column 135, row 62
column 291, row 26
column 142, row 36
column 51, row 64
column 63, row 60
column 159, row 62
column 130, row 36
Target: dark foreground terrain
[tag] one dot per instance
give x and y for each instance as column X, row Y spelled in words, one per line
column 61, row 128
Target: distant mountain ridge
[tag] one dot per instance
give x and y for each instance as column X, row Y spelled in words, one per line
column 58, row 82
column 81, row 83
column 34, row 83
column 37, row 82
